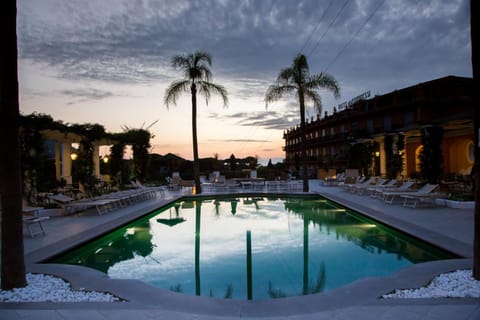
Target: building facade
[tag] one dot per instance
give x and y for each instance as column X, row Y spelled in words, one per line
column 390, row 127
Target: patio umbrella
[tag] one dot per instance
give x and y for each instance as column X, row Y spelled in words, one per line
column 171, row 222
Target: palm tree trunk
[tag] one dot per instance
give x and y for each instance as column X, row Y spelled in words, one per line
column 474, row 16
column 196, row 164
column 12, row 264
column 304, row 140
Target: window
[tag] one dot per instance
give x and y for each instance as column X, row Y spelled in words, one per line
column 387, row 123
column 370, row 125
column 409, row 118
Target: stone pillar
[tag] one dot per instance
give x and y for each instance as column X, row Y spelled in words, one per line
column 96, row 161
column 383, row 157
column 58, row 162
column 67, row 162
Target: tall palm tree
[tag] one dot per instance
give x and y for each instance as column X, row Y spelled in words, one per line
column 12, row 265
column 196, row 78
column 297, row 79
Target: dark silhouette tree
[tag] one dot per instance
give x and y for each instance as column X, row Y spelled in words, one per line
column 140, row 141
column 196, row 79
column 431, row 154
column 297, row 79
column 233, row 162
column 474, row 20
column 13, row 264
column 116, row 163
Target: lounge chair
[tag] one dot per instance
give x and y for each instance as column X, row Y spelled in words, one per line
column 416, row 199
column 373, row 191
column 390, row 197
column 32, row 221
column 360, row 189
column 295, row 185
column 150, row 191
column 404, row 187
column 187, row 184
column 364, row 183
column 70, row 205
column 174, row 183
column 231, row 184
column 349, row 181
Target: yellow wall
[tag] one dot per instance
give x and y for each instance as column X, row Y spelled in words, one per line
column 411, row 163
column 456, row 157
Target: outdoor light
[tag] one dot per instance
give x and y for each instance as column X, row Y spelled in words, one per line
column 105, row 159
column 377, row 154
column 74, row 156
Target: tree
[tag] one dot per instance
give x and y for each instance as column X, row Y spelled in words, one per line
column 233, row 162
column 297, row 79
column 13, row 264
column 474, row 18
column 431, row 154
column 140, row 141
column 196, row 78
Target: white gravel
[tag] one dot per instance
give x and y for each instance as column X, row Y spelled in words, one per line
column 458, row 284
column 45, row 288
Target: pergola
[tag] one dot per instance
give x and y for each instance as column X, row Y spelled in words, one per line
column 63, row 152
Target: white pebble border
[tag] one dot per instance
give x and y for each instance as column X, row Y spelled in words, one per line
column 46, row 288
column 458, row 284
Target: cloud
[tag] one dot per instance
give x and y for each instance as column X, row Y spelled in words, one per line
column 90, row 93
column 131, row 42
column 239, row 140
column 82, row 95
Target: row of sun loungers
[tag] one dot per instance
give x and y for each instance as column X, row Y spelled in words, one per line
column 221, row 184
column 253, row 184
column 107, row 202
column 393, row 191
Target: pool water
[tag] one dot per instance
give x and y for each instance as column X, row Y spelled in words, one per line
column 299, row 245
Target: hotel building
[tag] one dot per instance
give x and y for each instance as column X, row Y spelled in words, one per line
column 383, row 120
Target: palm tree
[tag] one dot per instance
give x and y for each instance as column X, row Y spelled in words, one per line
column 196, row 76
column 12, row 265
column 297, row 78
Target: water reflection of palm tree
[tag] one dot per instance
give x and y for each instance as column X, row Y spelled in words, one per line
column 197, row 247
column 305, row 254
column 233, row 204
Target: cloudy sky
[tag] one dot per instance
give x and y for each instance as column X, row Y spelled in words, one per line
column 108, row 62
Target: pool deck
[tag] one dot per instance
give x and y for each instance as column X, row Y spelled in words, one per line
column 451, row 229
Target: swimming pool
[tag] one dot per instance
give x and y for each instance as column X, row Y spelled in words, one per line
column 298, row 245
